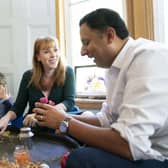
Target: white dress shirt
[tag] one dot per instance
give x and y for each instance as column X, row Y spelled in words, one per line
column 137, row 98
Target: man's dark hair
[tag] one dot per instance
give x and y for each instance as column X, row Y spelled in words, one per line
column 103, row 18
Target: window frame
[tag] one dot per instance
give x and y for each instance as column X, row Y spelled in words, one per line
column 139, row 16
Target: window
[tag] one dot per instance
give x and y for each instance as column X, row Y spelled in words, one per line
column 75, row 10
column 137, row 14
column 160, row 21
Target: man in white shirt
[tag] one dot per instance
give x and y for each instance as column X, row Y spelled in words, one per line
column 131, row 129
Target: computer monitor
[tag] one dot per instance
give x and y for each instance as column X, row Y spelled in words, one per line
column 90, row 82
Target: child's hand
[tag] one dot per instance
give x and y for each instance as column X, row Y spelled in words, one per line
column 4, row 93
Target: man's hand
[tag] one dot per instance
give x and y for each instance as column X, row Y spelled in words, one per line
column 48, row 115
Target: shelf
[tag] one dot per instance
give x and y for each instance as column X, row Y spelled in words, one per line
column 89, row 104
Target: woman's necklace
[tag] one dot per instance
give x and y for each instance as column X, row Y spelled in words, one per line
column 46, row 86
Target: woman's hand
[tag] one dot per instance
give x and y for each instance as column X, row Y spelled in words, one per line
column 49, row 116
column 61, row 106
column 30, row 120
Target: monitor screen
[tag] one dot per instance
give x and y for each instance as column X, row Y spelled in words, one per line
column 90, row 81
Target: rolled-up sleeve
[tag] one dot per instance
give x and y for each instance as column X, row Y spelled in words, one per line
column 143, row 115
column 140, row 145
column 103, row 115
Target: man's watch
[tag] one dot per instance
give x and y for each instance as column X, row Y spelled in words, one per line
column 64, row 125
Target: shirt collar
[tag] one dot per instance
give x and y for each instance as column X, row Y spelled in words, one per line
column 120, row 59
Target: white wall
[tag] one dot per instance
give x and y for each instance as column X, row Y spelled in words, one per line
column 21, row 21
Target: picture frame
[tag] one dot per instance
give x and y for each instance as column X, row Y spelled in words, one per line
column 90, row 81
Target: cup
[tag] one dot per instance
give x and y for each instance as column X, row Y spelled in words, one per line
column 25, row 136
column 21, row 154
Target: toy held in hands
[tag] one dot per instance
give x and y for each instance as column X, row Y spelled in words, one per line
column 45, row 100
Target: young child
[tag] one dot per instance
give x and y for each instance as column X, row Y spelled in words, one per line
column 6, row 101
column 5, row 98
